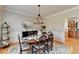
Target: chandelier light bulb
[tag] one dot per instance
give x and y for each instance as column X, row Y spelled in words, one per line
column 35, row 21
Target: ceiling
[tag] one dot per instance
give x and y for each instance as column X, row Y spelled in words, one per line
column 32, row 10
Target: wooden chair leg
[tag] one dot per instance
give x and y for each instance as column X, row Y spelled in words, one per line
column 44, row 51
column 47, row 49
column 20, row 51
column 51, row 44
column 34, row 49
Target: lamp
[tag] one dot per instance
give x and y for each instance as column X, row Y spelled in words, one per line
column 38, row 19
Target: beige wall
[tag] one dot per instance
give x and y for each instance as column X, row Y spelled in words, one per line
column 1, row 18
column 56, row 25
column 58, row 22
column 15, row 22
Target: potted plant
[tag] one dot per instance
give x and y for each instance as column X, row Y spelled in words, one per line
column 43, row 28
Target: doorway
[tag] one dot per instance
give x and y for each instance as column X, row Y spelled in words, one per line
column 72, row 29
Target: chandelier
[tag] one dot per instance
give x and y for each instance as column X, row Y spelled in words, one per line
column 38, row 19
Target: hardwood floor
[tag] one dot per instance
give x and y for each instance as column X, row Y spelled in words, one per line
column 72, row 43
column 4, row 50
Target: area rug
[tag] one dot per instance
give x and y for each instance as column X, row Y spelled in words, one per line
column 57, row 49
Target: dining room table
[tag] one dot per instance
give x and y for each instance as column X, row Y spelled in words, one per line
column 33, row 40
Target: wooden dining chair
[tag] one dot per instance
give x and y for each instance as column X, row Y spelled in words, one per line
column 44, row 43
column 50, row 40
column 42, row 46
column 21, row 48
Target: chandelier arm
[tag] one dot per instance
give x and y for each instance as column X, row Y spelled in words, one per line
column 39, row 20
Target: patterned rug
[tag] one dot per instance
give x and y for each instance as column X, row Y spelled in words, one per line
column 57, row 49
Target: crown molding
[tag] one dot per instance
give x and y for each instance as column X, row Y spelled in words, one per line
column 17, row 12
column 74, row 8
column 23, row 13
